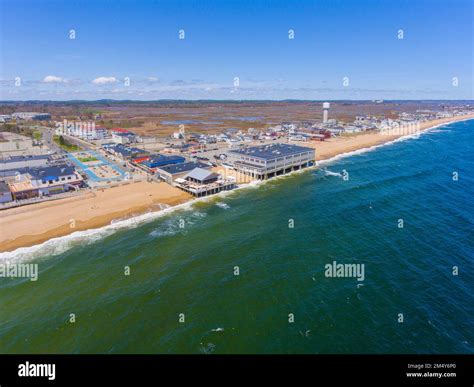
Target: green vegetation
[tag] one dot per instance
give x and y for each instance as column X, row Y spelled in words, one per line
column 37, row 135
column 64, row 144
column 87, row 159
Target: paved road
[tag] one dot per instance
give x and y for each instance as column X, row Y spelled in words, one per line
column 47, row 138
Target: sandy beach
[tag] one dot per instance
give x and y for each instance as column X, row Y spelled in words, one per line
column 32, row 224
column 339, row 145
column 36, row 223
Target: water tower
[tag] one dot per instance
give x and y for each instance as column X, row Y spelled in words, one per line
column 325, row 112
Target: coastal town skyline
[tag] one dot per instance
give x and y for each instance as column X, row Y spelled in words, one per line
column 236, row 51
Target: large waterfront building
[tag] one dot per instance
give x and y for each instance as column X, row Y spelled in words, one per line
column 266, row 161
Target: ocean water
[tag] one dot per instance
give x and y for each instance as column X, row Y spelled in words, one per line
column 183, row 262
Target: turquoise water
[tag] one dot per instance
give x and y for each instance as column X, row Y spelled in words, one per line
column 190, row 270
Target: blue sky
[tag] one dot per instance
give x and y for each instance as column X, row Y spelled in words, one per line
column 224, row 40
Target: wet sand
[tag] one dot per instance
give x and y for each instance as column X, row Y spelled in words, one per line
column 36, row 223
column 344, row 144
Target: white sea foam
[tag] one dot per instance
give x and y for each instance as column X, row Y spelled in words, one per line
column 374, row 147
column 168, row 228
column 177, row 225
column 223, row 205
column 59, row 245
column 327, row 172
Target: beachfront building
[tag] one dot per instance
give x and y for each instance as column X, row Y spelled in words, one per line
column 202, row 182
column 45, row 181
column 169, row 173
column 266, row 161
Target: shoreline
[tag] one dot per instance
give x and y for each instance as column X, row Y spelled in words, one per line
column 103, row 207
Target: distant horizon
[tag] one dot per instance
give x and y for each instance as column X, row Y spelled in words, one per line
column 236, row 50
column 233, row 100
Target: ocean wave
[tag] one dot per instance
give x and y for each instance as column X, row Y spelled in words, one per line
column 223, row 205
column 327, row 172
column 167, row 229
column 375, row 147
column 60, row 245
column 208, row 348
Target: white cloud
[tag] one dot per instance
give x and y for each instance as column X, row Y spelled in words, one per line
column 53, row 79
column 104, row 80
column 152, row 79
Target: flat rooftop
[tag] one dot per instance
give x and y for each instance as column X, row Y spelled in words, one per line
column 184, row 167
column 52, row 172
column 272, row 151
column 15, row 159
column 159, row 158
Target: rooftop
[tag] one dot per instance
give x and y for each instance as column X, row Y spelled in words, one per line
column 271, row 151
column 120, row 130
column 162, row 159
column 124, row 150
column 50, row 173
column 19, row 186
column 201, row 174
column 184, row 167
column 14, row 159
